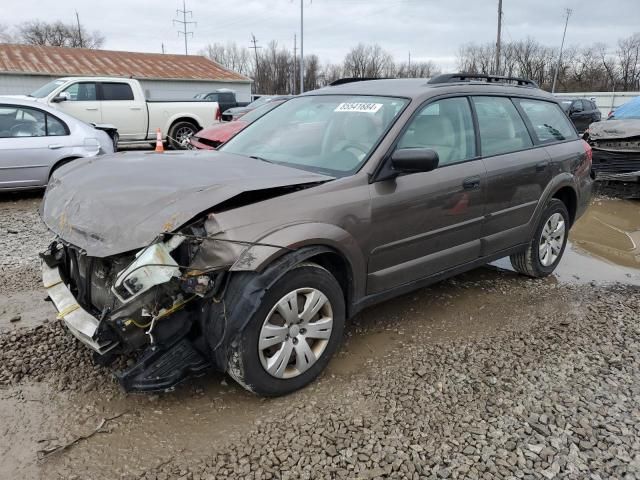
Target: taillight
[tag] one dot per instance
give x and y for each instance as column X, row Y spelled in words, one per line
column 588, row 151
column 218, row 113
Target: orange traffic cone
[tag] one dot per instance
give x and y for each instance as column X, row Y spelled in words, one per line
column 159, row 145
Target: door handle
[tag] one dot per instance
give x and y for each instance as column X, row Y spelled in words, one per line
column 93, row 109
column 541, row 166
column 55, row 146
column 471, row 183
column 135, row 108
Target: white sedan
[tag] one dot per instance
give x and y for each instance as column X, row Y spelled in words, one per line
column 35, row 139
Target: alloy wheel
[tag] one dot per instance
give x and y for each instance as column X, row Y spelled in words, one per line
column 551, row 239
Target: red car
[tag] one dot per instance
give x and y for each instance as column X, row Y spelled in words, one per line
column 214, row 136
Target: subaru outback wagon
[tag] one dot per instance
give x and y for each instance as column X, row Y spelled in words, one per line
column 250, row 259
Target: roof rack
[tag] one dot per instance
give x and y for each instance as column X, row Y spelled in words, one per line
column 342, row 81
column 469, row 77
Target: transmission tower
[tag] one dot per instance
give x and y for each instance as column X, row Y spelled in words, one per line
column 185, row 24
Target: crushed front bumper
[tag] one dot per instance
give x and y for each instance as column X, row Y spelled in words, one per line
column 80, row 323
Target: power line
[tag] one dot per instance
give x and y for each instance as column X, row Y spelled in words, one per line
column 499, row 39
column 555, row 75
column 185, row 24
column 255, row 51
column 79, row 30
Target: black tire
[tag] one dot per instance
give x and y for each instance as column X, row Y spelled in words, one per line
column 528, row 262
column 177, row 132
column 244, row 364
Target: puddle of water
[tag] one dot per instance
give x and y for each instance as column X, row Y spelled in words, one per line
column 603, row 247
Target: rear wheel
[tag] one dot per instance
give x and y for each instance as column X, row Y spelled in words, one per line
column 547, row 246
column 180, row 133
column 293, row 334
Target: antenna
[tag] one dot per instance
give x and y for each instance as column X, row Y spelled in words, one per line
column 185, row 24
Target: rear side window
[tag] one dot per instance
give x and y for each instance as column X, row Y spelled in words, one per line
column 116, row 91
column 55, row 127
column 501, row 127
column 445, row 126
column 549, row 122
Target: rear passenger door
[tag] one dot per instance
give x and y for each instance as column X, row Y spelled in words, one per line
column 122, row 110
column 517, row 173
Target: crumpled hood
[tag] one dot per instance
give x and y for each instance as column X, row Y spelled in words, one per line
column 615, row 129
column 117, row 203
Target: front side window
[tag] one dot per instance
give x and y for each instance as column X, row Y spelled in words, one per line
column 501, row 127
column 116, row 91
column 332, row 134
column 549, row 122
column 445, row 126
column 81, row 92
column 18, row 121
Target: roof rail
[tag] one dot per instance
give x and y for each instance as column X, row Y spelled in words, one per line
column 468, row 77
column 342, row 81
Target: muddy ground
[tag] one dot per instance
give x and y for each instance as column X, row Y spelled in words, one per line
column 487, row 375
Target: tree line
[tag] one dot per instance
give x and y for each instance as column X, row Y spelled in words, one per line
column 275, row 70
column 589, row 68
column 54, row 34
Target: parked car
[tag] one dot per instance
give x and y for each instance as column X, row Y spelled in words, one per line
column 226, row 99
column 236, row 113
column 121, row 102
column 582, row 112
column 616, row 150
column 214, row 136
column 36, row 140
column 249, row 259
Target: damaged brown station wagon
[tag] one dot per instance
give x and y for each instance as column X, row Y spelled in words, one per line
column 250, row 259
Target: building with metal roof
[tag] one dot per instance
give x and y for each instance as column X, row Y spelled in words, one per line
column 24, row 68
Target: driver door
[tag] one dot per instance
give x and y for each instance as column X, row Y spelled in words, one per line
column 82, row 102
column 428, row 222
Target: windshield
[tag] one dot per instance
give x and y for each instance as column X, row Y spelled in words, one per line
column 47, row 88
column 332, row 134
column 566, row 104
column 630, row 109
column 255, row 114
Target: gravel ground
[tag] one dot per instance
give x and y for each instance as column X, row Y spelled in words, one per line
column 556, row 397
column 488, row 375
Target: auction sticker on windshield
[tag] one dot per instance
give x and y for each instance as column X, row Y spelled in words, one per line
column 358, row 107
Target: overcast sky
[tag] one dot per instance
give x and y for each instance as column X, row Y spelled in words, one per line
column 429, row 29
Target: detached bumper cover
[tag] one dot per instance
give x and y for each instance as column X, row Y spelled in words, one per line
column 78, row 321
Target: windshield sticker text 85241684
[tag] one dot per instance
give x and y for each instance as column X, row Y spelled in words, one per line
column 361, row 107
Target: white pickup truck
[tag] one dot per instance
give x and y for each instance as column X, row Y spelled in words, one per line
column 121, row 102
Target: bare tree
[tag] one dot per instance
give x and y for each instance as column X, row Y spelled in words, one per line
column 628, row 54
column 229, row 56
column 58, row 34
column 368, row 61
column 5, row 34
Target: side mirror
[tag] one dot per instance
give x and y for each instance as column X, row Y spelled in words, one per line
column 61, row 97
column 413, row 160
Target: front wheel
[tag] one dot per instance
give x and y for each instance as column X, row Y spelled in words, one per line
column 547, row 246
column 293, row 334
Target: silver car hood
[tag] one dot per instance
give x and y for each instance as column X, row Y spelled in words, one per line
column 613, row 129
column 118, row 203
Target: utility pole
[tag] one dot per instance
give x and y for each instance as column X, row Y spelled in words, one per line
column 255, row 51
column 409, row 66
column 499, row 39
column 162, row 47
column 555, row 75
column 301, row 46
column 295, row 60
column 185, row 24
column 79, row 30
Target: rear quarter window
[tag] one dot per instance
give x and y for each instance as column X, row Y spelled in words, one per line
column 549, row 122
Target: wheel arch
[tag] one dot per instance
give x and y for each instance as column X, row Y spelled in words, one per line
column 59, row 163
column 569, row 197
